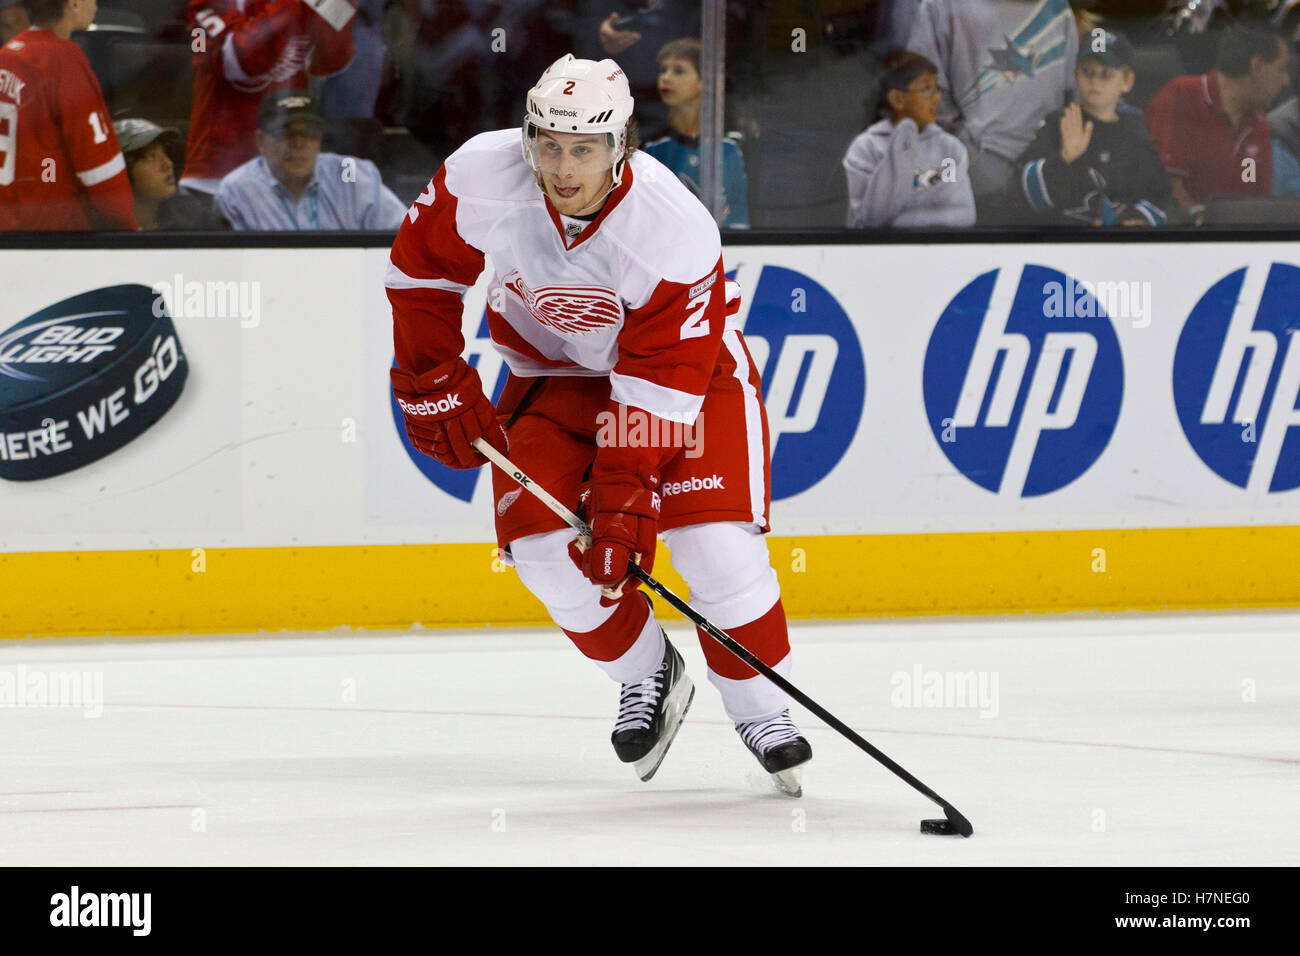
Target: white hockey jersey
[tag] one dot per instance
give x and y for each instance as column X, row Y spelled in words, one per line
column 638, row 294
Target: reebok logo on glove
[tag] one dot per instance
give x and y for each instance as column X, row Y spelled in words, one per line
column 431, row 408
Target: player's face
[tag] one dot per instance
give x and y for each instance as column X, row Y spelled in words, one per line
column 575, row 168
column 291, row 152
column 919, row 102
column 153, row 176
column 679, row 81
column 1101, row 87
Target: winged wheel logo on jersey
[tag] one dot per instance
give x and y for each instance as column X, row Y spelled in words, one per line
column 575, row 310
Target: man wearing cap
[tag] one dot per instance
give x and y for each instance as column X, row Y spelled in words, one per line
column 1093, row 163
column 293, row 185
column 151, row 152
column 13, row 20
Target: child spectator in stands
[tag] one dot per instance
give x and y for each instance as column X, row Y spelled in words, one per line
column 1003, row 66
column 1211, row 130
column 150, row 152
column 244, row 49
column 1093, row 162
column 905, row 170
column 680, row 89
column 60, row 165
column 293, row 185
column 13, row 20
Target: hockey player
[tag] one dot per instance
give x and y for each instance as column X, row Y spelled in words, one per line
column 250, row 48
column 630, row 391
column 60, row 165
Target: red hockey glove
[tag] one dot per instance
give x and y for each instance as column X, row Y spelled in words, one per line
column 445, row 411
column 624, row 526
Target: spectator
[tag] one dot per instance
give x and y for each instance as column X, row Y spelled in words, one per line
column 905, row 170
column 150, row 152
column 1211, row 131
column 679, row 88
column 633, row 31
column 1003, row 66
column 13, row 20
column 60, row 165
column 293, row 185
column 244, row 49
column 1093, row 162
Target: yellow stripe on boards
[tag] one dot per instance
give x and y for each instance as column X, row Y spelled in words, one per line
column 463, row 585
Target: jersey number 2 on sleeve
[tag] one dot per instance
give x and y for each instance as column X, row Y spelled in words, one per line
column 696, row 325
column 425, row 200
column 8, row 142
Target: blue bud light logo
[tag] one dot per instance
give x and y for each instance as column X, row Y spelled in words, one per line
column 1237, row 378
column 1023, row 383
column 814, row 383
column 814, row 379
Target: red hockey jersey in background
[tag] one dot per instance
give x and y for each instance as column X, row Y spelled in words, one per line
column 250, row 47
column 60, row 164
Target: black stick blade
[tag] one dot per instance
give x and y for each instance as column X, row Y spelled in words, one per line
column 959, row 822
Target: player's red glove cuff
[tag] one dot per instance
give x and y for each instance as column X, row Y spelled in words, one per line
column 446, row 411
column 624, row 529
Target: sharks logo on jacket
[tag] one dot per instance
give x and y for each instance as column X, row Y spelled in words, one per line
column 1034, row 47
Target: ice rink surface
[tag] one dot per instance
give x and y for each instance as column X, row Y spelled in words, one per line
column 1144, row 739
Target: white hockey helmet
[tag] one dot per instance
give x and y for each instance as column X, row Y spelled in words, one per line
column 580, row 96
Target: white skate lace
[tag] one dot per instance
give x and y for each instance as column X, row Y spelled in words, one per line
column 763, row 735
column 636, row 702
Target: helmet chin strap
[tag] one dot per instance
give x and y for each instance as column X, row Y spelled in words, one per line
column 595, row 203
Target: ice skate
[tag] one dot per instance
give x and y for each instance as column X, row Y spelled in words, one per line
column 780, row 748
column 650, row 712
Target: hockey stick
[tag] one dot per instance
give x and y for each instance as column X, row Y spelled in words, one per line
column 959, row 823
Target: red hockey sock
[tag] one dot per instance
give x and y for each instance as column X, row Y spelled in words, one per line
column 616, row 636
column 767, row 638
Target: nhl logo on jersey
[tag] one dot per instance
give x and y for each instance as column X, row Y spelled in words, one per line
column 575, row 310
column 572, row 230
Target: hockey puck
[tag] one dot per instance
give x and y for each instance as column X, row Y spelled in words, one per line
column 940, row 827
column 84, row 377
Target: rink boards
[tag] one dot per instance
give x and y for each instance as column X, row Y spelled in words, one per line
column 955, row 429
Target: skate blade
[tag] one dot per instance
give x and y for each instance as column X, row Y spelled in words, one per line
column 675, row 708
column 789, row 782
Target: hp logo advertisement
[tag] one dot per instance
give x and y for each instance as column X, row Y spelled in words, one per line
column 1023, row 397
column 1237, row 378
column 811, row 363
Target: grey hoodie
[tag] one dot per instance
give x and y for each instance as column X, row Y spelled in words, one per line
column 901, row 177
